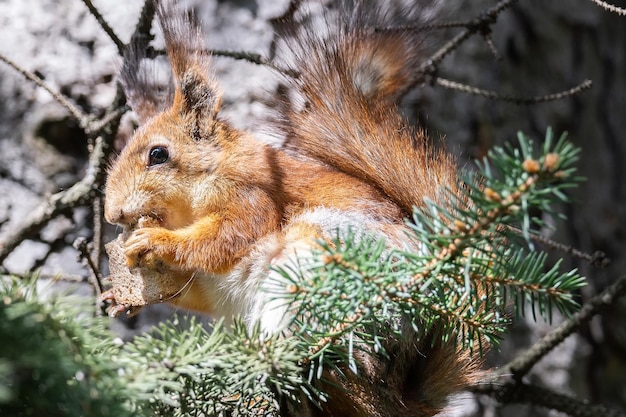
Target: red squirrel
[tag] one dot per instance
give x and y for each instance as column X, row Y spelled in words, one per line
column 216, row 207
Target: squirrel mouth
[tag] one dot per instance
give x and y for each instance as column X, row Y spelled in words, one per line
column 142, row 222
column 152, row 220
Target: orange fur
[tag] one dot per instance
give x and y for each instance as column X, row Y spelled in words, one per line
column 225, row 206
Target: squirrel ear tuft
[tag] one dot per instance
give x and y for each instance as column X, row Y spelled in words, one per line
column 197, row 96
column 138, row 77
column 197, row 92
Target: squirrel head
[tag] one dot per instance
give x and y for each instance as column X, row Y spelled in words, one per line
column 175, row 150
column 157, row 173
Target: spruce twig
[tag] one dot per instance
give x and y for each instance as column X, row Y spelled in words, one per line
column 524, row 362
column 461, row 253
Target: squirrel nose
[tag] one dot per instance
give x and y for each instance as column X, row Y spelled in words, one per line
column 116, row 217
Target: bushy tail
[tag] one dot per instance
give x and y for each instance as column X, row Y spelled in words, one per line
column 348, row 79
column 346, row 84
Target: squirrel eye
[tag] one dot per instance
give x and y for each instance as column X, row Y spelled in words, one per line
column 158, row 155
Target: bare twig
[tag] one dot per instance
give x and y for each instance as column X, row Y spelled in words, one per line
column 98, row 126
column 517, row 100
column 611, row 8
column 81, row 117
column 480, row 25
column 144, row 23
column 105, row 26
column 512, row 392
column 430, row 65
column 103, row 130
column 251, row 57
column 81, row 245
column 492, row 46
column 598, row 259
column 88, row 123
column 523, row 363
column 78, row 194
column 423, row 28
column 98, row 237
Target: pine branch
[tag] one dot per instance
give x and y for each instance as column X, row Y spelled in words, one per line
column 186, row 367
column 356, row 286
column 524, row 362
column 356, row 293
column 57, row 360
column 526, row 277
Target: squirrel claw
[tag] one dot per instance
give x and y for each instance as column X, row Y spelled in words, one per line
column 147, row 248
column 107, row 296
column 116, row 310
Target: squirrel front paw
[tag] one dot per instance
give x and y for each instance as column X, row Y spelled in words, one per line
column 151, row 247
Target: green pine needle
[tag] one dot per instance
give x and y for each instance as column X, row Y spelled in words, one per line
column 353, row 297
